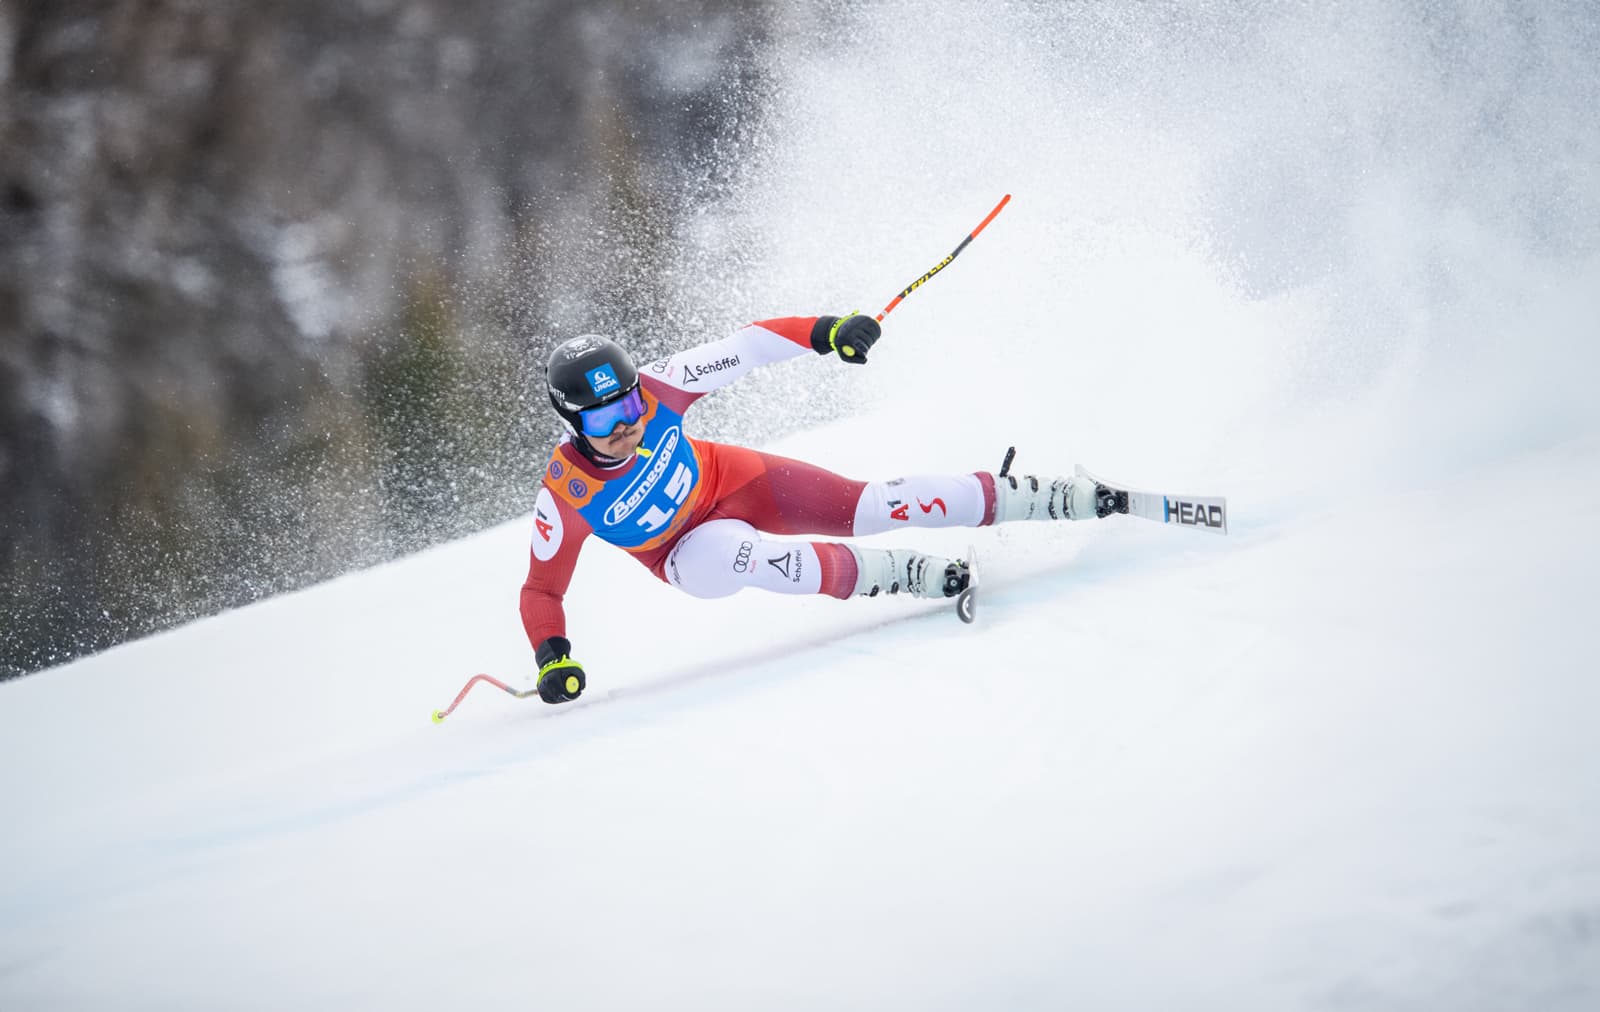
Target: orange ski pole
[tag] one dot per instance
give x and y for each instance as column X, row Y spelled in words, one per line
column 439, row 715
column 942, row 264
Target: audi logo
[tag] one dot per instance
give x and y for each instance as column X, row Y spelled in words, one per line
column 741, row 563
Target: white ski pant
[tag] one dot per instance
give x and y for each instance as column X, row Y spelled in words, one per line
column 723, row 557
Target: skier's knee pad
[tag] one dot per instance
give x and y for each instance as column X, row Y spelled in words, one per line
column 709, row 560
column 723, row 557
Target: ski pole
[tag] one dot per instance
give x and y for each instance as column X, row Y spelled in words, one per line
column 942, row 264
column 439, row 715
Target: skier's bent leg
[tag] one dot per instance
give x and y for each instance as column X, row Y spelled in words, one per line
column 722, row 557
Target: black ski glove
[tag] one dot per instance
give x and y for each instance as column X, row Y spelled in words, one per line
column 852, row 336
column 560, row 677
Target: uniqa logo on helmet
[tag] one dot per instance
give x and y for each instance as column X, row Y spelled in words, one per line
column 602, row 380
column 641, row 487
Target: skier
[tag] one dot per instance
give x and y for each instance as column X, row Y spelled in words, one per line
column 698, row 514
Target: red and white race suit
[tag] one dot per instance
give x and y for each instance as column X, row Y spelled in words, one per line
column 695, row 512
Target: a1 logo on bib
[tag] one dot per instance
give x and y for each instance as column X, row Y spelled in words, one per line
column 602, row 380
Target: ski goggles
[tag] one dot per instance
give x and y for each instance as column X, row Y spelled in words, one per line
column 598, row 422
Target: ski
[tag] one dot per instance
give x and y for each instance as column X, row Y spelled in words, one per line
column 1202, row 512
column 967, row 600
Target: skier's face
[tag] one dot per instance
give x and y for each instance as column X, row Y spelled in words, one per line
column 624, row 439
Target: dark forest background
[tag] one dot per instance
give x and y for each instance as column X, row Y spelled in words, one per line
column 277, row 281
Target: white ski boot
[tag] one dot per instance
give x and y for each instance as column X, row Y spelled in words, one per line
column 1025, row 497
column 902, row 571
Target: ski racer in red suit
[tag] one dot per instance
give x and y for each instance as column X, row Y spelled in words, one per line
column 699, row 514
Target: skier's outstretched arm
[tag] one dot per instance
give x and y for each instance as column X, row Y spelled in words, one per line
column 558, row 534
column 697, row 371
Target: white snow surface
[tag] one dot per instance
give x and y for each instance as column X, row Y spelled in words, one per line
column 1344, row 758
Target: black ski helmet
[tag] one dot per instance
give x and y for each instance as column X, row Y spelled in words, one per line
column 587, row 372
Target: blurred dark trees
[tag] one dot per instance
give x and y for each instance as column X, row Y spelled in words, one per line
column 277, row 280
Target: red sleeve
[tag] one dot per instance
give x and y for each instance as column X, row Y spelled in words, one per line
column 558, row 533
column 795, row 328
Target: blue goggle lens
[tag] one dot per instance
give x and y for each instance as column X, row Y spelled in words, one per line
column 598, row 422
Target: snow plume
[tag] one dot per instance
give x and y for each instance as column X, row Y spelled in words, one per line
column 1380, row 221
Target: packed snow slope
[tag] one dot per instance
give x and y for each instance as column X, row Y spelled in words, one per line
column 1342, row 267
